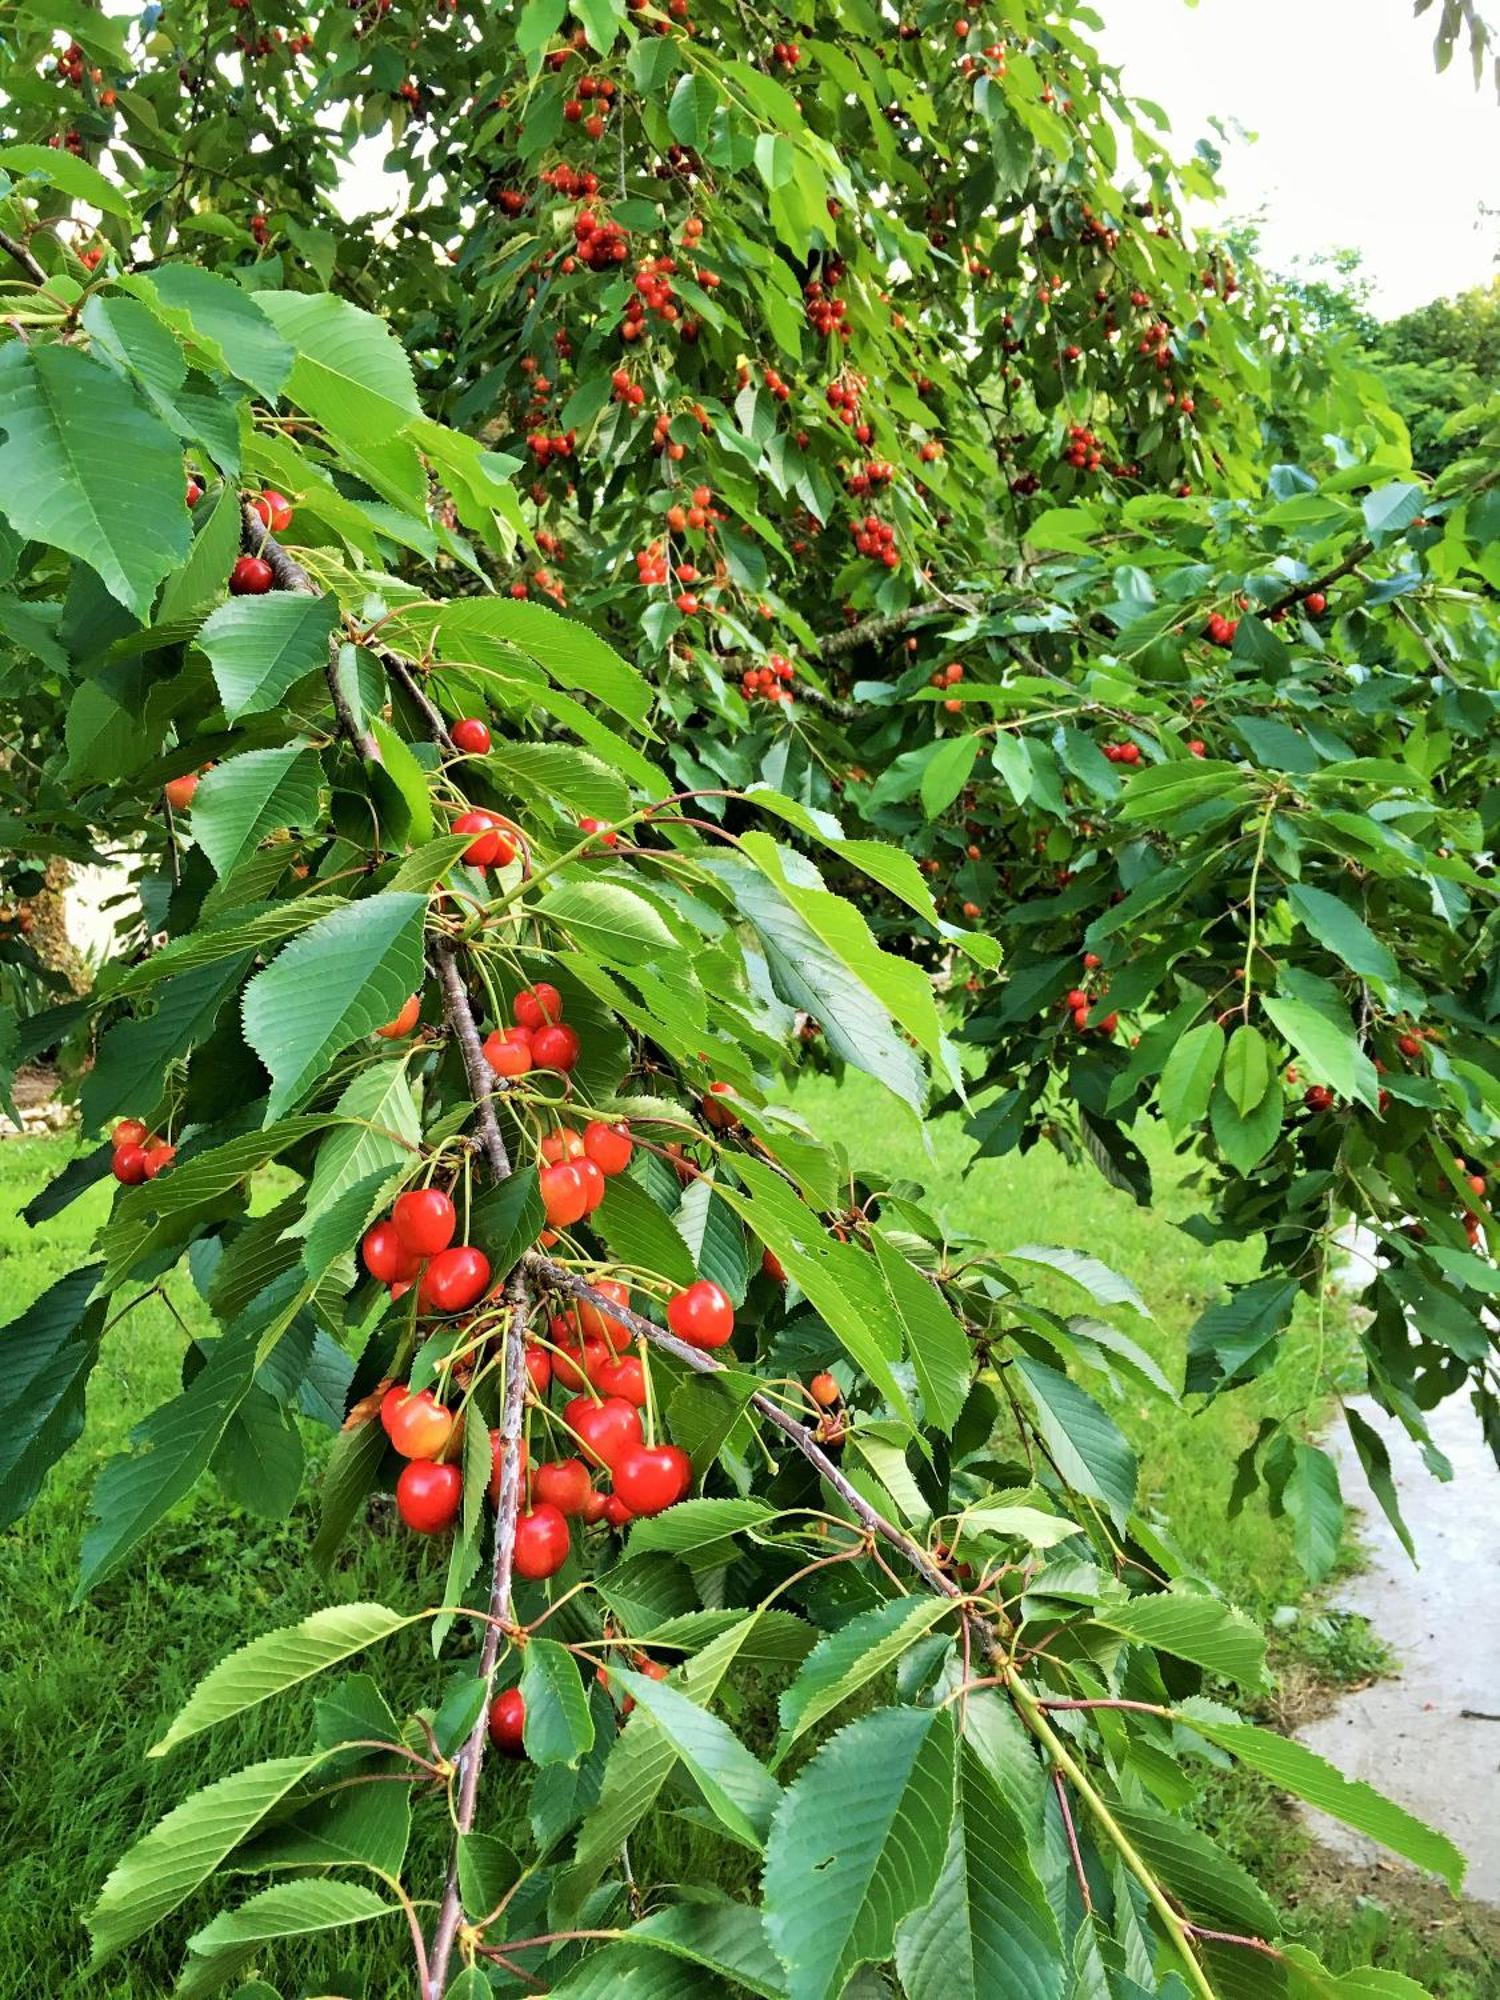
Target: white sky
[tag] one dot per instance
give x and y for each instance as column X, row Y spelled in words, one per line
column 1360, row 142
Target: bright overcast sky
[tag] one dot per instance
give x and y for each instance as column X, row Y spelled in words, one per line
column 1359, row 142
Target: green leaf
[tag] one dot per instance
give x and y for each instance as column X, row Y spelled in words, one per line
column 858, row 1843
column 251, row 931
column 559, row 1723
column 737, row 1787
column 66, row 171
column 1328, row 1046
column 288, row 1910
column 638, row 1232
column 1312, row 1497
column 47, row 1354
column 351, row 372
column 87, row 468
column 845, row 1660
column 937, row 1345
column 1187, row 1078
column 365, row 1825
column 609, row 921
column 691, row 108
column 491, row 631
column 1202, row 1629
column 239, row 802
column 1330, row 921
column 585, row 785
column 1091, row 1452
column 383, row 1134
column 1211, row 1888
column 136, row 1052
column 1104, row 1286
column 1247, row 1069
column 176, row 1443
column 333, row 985
column 260, row 647
column 223, row 319
column 203, row 579
column 1391, row 508
column 1375, row 1461
column 947, row 772
column 280, row 1660
column 989, row 1929
column 810, row 974
column 726, row 1938
column 1245, row 1141
column 1296, row 1769
column 184, row 1848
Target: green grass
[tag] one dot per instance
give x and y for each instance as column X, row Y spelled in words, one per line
column 88, row 1688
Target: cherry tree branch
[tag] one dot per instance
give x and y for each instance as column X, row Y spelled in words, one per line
column 470, row 1760
column 460, row 1017
column 14, row 247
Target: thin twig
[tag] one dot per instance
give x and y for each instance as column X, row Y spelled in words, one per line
column 1059, row 1785
column 14, row 247
column 482, row 1081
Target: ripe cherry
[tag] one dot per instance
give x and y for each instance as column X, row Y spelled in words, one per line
column 429, row 1495
column 577, row 1362
column 565, row 1484
column 773, row 1268
column 702, row 1315
column 251, row 576
column 721, row 1116
column 404, row 1022
column 508, row 1055
column 493, row 848
column 1315, row 603
column 559, row 1143
column 565, row 1197
column 1318, row 1097
column 539, row 1368
column 604, row 1429
column 129, row 1132
column 555, row 1048
column 542, row 1542
column 616, row 1512
column 1410, row 1045
column 454, row 1280
column 595, row 1186
column 273, row 509
column 623, row 1377
column 159, row 1155
column 508, row 1723
column 825, row 1391
column 129, row 1165
column 178, row 792
column 608, row 1146
column 603, row 1325
column 471, row 736
column 651, row 1478
column 419, row 1426
column 425, row 1220
column 537, row 1006
column 386, row 1256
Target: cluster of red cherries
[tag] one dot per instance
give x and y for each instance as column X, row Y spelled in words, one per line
column 138, row 1156
column 877, row 538
column 770, row 682
column 540, row 1039
column 1220, row 630
column 1080, row 1004
column 602, row 243
column 1123, row 753
column 576, row 1167
column 414, row 1245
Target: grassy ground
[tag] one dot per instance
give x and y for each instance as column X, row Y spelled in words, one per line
column 88, row 1687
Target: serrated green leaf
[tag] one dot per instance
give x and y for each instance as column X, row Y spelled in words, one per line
column 559, row 1724
column 1089, row 1448
column 48, row 1352
column 350, row 371
column 736, row 1786
column 279, row 1660
column 1201, row 1629
column 1187, row 1077
column 844, row 1661
column 936, row 1344
column 287, row 1910
column 239, row 802
column 260, row 647
column 609, row 921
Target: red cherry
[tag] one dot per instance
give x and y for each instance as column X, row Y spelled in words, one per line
column 506, row 1057
column 773, row 1267
column 720, row 1116
column 129, row 1165
column 616, row 1512
column 595, row 1508
column 251, row 577
column 454, row 1280
column 404, row 1022
column 425, row 1220
column 542, row 1542
column 129, row 1132
column 158, row 1156
column 273, row 509
column 623, row 1377
column 429, row 1495
column 573, row 1365
column 558, row 1144
column 508, row 1723
column 608, row 1146
column 493, row 849
column 495, row 1457
column 702, row 1315
column 419, row 1426
column 1315, row 603
column 471, row 736
column 539, row 1368
column 194, row 492
column 537, row 1006
column 603, row 1325
column 1410, row 1045
column 651, row 1478
column 563, row 1483
column 604, row 1429
column 555, row 1048
column 564, row 1193
column 386, row 1256
column 178, row 792
column 825, row 1391
column 595, row 1187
